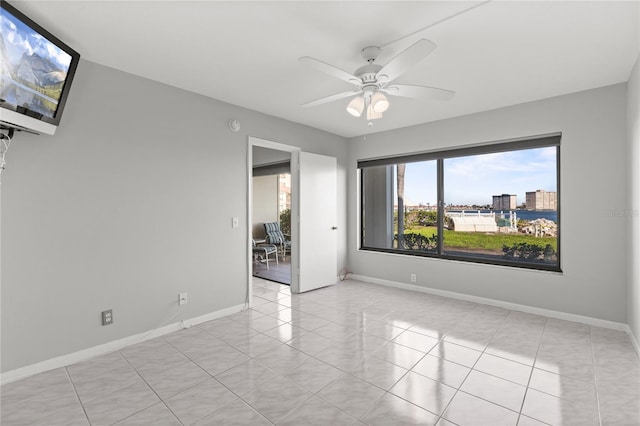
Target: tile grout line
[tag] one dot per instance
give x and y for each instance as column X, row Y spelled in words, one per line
column 418, row 362
column 533, row 367
column 340, row 369
column 465, row 378
column 442, row 339
column 253, row 357
column 342, row 307
column 386, row 392
column 75, row 390
column 595, row 375
column 218, row 381
column 183, row 390
column 150, row 387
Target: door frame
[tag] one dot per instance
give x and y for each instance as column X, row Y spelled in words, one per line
column 295, row 176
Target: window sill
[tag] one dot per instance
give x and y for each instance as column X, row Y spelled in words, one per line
column 469, row 261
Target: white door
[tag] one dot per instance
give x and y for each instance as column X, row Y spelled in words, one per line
column 317, row 228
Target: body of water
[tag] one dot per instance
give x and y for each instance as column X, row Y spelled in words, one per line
column 523, row 214
column 532, row 215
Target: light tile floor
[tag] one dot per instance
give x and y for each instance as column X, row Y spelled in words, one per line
column 350, row 354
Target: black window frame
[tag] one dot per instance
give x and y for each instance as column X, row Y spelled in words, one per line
column 543, row 141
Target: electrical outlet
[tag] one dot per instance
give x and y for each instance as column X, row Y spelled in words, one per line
column 182, row 299
column 413, row 278
column 107, row 317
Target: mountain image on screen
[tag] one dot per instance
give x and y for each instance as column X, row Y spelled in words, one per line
column 32, row 82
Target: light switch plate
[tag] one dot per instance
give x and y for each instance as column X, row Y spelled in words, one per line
column 182, row 299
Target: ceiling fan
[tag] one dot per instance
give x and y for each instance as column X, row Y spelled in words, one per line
column 373, row 81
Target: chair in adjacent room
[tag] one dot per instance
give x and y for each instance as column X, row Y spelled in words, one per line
column 263, row 251
column 275, row 236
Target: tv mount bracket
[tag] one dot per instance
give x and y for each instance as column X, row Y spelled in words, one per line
column 9, row 134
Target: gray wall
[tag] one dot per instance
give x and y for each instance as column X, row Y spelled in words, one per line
column 264, row 156
column 633, row 136
column 131, row 202
column 127, row 205
column 593, row 178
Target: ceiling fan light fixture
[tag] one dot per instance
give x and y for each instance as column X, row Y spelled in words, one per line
column 379, row 102
column 356, row 106
column 373, row 114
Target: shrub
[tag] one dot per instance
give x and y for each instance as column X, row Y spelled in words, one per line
column 427, row 218
column 420, row 218
column 421, row 242
column 285, row 221
column 529, row 252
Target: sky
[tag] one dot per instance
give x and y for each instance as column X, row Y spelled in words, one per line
column 475, row 179
column 20, row 39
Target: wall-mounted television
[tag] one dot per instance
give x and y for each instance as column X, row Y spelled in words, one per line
column 36, row 70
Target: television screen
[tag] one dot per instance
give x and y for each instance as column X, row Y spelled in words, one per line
column 36, row 70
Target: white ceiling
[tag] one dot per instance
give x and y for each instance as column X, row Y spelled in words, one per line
column 493, row 54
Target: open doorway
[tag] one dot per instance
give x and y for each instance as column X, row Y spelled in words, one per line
column 313, row 255
column 273, row 152
column 271, row 214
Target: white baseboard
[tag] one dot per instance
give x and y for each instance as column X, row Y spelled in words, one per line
column 96, row 351
column 634, row 342
column 502, row 304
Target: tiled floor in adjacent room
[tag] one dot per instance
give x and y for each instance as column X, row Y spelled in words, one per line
column 351, row 354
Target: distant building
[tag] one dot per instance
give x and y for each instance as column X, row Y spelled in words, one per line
column 504, row 202
column 284, row 192
column 542, row 200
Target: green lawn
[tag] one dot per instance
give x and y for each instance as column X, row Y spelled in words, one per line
column 480, row 240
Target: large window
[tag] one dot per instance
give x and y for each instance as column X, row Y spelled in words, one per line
column 496, row 204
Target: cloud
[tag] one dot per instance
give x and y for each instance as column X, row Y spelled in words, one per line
column 7, row 23
column 51, row 51
column 22, row 40
column 46, row 49
column 16, row 43
column 527, row 161
column 9, row 29
column 476, row 178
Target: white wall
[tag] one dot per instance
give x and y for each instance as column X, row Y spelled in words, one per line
column 265, row 203
column 127, row 205
column 633, row 137
column 593, row 179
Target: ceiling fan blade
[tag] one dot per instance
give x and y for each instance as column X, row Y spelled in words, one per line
column 331, row 98
column 405, row 60
column 423, row 92
column 331, row 70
